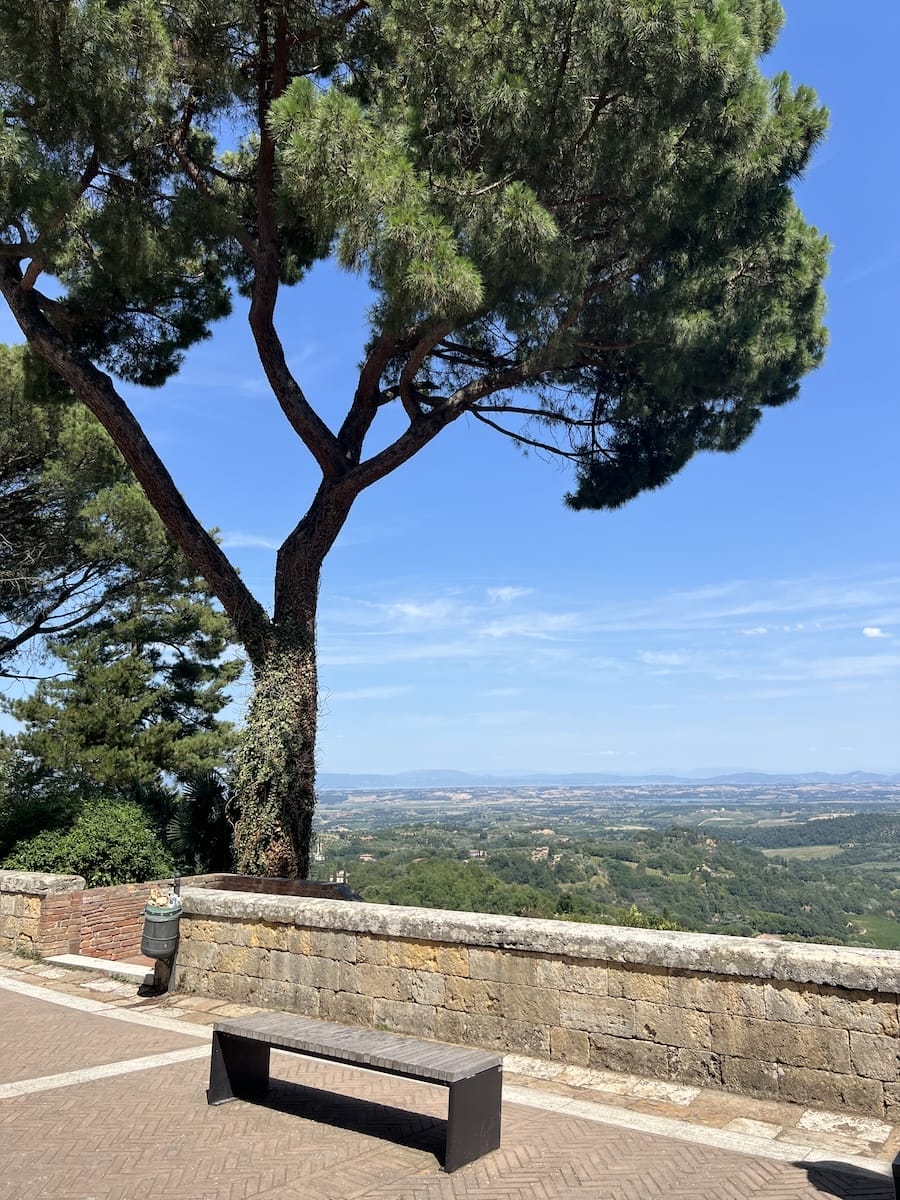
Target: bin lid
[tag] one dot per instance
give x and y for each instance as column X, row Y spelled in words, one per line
column 163, row 910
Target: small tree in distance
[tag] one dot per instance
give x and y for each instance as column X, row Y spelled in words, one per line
column 575, row 216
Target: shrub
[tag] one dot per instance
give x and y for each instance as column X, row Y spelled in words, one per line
column 108, row 843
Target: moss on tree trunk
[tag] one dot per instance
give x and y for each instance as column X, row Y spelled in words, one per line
column 275, row 770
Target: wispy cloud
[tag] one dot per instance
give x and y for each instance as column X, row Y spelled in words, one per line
column 534, row 625
column 370, row 693
column 234, row 540
column 500, row 641
column 886, row 261
column 505, row 595
column 654, row 658
column 432, row 612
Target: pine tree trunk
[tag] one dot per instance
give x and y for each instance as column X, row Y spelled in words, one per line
column 275, row 775
column 276, row 766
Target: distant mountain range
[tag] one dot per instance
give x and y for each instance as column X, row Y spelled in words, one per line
column 328, row 780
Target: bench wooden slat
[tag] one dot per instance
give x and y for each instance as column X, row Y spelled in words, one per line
column 391, row 1052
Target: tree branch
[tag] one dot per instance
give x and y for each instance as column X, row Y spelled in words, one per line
column 426, row 343
column 429, row 425
column 36, row 266
column 303, row 419
column 193, row 172
column 364, row 407
column 524, row 440
column 97, row 393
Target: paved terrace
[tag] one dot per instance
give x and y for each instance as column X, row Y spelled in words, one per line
column 102, row 1097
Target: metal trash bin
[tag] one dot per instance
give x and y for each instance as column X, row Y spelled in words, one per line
column 160, row 935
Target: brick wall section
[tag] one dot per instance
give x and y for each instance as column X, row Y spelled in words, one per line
column 59, row 930
column 816, row 1025
column 112, row 919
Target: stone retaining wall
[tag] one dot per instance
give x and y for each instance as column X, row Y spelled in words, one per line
column 56, row 914
column 815, row 1025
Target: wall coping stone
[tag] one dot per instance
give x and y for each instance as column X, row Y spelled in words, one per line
column 36, row 883
column 710, row 954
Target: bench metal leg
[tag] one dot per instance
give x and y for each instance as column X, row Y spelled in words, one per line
column 239, row 1069
column 473, row 1121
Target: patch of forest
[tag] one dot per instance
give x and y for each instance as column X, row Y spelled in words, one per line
column 678, row 877
column 861, row 829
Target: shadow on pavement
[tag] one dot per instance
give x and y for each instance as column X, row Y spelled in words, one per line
column 416, row 1131
column 848, row 1183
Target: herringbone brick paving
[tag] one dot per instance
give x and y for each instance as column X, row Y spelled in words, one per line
column 153, row 1134
column 44, row 1039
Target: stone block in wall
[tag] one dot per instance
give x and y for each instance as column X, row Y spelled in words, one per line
column 308, row 971
column 751, row 1076
column 532, row 1005
column 868, row 1012
column 377, row 981
column 590, row 976
column 538, row 970
column 522, row 1037
column 251, row 961
column 270, row 936
column 570, row 1046
column 480, row 996
column 629, row 1055
column 304, row 1000
column 892, row 1102
column 393, row 983
column 501, row 966
column 793, row 1004
column 327, row 944
column 401, row 1016
column 671, row 1026
column 875, row 1056
column 491, row 1032
column 702, row 1068
column 347, row 1007
column 650, row 984
column 410, row 955
column 796, row 1045
column 597, row 1014
column 274, row 993
column 469, row 1029
column 825, row 1089
column 717, row 993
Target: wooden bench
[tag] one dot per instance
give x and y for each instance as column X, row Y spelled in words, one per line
column 240, row 1070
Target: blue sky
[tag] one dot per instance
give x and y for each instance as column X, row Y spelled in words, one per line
column 748, row 614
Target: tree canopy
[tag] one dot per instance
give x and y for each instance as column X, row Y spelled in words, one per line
column 575, row 217
column 132, row 650
column 77, row 533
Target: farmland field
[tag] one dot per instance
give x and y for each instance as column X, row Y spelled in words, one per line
column 803, row 852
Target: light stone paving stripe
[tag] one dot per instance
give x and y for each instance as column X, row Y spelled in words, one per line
column 97, row 1007
column 721, row 1139
column 108, row 966
column 126, row 1066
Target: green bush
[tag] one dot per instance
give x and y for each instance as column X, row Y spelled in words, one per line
column 33, row 802
column 108, row 843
